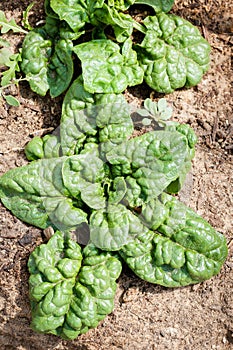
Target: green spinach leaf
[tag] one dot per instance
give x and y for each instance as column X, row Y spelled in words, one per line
column 71, row 290
column 48, row 191
column 121, row 23
column 84, row 115
column 46, row 64
column 173, row 53
column 158, row 5
column 183, row 250
column 105, row 69
column 75, row 13
column 113, row 227
column 152, row 162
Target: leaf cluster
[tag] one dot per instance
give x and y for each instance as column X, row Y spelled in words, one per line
column 100, row 34
column 92, row 173
column 71, row 290
column 93, row 176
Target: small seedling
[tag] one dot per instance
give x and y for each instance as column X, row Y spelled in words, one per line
column 160, row 112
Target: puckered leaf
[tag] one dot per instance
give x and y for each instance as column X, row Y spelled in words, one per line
column 152, row 162
column 118, row 191
column 60, row 70
column 47, row 66
column 76, row 125
column 82, row 176
column 105, row 69
column 173, row 53
column 185, row 249
column 75, row 13
column 36, row 194
column 113, row 120
column 46, row 147
column 113, row 227
column 70, row 290
column 85, row 115
column 35, row 58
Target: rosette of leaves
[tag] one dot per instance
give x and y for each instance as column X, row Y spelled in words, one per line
column 71, row 290
column 94, row 173
column 159, row 111
column 173, row 54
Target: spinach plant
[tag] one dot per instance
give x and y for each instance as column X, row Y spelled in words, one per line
column 95, row 178
column 102, row 34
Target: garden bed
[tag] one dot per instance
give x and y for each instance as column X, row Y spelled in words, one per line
column 146, row 316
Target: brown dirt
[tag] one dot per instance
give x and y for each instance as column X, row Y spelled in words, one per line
column 146, row 316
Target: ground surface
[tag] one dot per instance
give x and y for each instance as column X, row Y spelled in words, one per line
column 146, row 316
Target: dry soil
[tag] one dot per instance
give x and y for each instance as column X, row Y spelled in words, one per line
column 146, row 316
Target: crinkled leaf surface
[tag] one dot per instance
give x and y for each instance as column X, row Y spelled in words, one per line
column 45, row 147
column 53, row 190
column 47, row 65
column 152, row 162
column 70, row 290
column 60, row 70
column 35, row 57
column 113, row 227
column 113, row 120
column 183, row 250
column 85, row 115
column 75, row 13
column 107, row 70
column 173, row 53
column 82, row 176
column 76, row 125
column 58, row 29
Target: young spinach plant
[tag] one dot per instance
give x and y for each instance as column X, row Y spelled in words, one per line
column 172, row 54
column 95, row 178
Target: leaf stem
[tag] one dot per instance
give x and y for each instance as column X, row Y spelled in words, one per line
column 139, row 27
